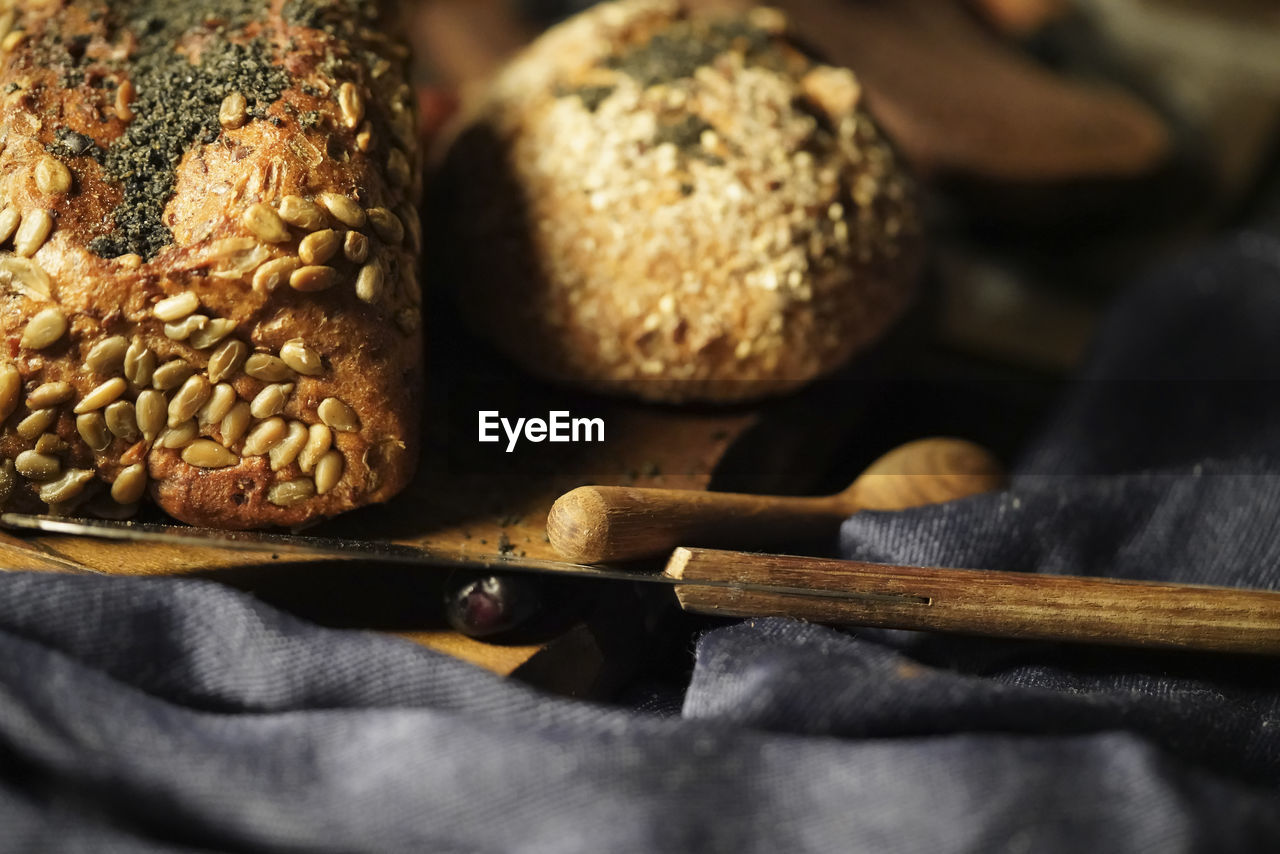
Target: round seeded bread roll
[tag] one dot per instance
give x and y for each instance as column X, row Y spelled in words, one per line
column 680, row 205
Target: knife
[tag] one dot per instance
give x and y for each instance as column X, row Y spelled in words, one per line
column 1029, row 606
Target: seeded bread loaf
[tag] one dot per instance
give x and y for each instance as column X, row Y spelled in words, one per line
column 679, row 204
column 207, row 258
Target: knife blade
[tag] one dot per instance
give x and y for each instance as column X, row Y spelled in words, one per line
column 333, row 548
column 1028, row 606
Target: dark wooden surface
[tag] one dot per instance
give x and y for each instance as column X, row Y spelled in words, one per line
column 469, row 513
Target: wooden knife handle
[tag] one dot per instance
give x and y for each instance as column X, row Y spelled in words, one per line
column 979, row 602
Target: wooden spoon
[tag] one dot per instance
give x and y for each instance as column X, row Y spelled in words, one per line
column 594, row 524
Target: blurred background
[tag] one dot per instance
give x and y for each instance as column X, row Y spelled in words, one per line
column 1066, row 145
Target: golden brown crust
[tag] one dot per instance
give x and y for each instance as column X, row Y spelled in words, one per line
column 324, row 134
column 679, row 205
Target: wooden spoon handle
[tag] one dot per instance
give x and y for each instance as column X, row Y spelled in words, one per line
column 593, row 524
column 979, row 602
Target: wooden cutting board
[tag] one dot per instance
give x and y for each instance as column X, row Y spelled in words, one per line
column 470, row 498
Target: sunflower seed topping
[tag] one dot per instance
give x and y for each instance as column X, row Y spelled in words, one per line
column 301, row 213
column 264, row 223
column 151, row 411
column 264, row 437
column 235, row 423
column 188, row 400
column 10, row 388
column 172, row 374
column 92, row 427
column 268, row 368
column 218, row 406
column 343, row 209
column 36, row 423
column 211, row 333
column 52, row 176
column 386, row 225
column 370, row 283
column 36, row 227
column 10, row 219
column 319, row 246
column 313, row 279
column 139, row 363
column 319, row 440
column 234, row 111
column 106, row 393
column 122, row 421
column 26, row 277
column 176, row 307
column 283, row 454
column 37, row 466
column 208, row 454
column 355, row 246
column 130, row 484
column 227, row 360
column 271, row 400
column 50, row 394
column 177, row 438
column 44, row 329
column 339, row 416
column 351, row 102
column 124, row 101
column 275, row 273
column 50, row 443
column 291, row 492
column 236, row 257
column 107, row 356
column 297, row 355
column 329, row 471
column 185, row 328
column 67, row 487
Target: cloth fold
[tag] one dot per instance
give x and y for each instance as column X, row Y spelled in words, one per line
column 174, row 715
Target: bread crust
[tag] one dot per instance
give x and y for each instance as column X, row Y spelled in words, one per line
column 200, row 171
column 679, row 205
